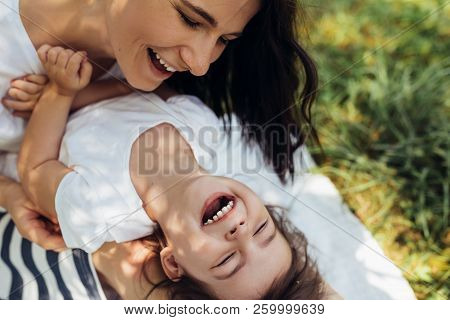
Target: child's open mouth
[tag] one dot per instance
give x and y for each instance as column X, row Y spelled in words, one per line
column 216, row 208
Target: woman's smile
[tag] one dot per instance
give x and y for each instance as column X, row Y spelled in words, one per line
column 162, row 71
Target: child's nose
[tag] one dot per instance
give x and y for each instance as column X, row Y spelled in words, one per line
column 237, row 229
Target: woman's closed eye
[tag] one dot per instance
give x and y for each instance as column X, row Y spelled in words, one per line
column 191, row 23
column 188, row 21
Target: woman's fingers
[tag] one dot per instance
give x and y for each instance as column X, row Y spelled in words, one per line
column 19, row 106
column 27, row 86
column 38, row 79
column 33, row 227
column 46, row 239
column 22, row 114
column 36, row 230
column 22, row 95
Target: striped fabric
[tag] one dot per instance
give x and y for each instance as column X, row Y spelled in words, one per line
column 29, row 272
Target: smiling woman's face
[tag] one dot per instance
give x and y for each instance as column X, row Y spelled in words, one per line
column 237, row 254
column 188, row 35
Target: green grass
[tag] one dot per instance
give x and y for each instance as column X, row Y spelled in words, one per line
column 383, row 116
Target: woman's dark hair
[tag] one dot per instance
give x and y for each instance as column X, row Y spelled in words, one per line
column 258, row 78
column 301, row 282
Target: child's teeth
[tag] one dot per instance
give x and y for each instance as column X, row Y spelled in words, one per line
column 220, row 213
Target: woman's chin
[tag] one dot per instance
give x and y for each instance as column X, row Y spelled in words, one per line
column 143, row 83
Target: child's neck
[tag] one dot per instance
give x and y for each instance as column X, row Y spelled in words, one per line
column 77, row 24
column 162, row 164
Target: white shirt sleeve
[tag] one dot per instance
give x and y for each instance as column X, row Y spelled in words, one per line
column 91, row 212
column 82, row 224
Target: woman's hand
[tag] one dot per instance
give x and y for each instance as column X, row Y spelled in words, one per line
column 30, row 223
column 24, row 93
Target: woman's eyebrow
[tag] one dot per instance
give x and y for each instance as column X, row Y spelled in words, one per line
column 201, row 12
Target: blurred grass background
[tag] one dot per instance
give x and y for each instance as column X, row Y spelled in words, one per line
column 383, row 117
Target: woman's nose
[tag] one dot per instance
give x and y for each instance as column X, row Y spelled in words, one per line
column 199, row 56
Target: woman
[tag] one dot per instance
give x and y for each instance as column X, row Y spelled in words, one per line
column 183, row 35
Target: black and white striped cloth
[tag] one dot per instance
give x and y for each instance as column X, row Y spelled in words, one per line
column 29, row 272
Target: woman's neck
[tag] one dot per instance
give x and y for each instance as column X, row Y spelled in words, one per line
column 77, row 24
column 121, row 266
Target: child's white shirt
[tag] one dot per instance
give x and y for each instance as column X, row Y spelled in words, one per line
column 97, row 201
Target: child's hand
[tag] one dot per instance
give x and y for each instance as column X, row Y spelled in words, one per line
column 24, row 93
column 68, row 71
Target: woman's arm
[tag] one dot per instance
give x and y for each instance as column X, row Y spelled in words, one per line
column 101, row 90
column 6, row 185
column 27, row 219
column 38, row 165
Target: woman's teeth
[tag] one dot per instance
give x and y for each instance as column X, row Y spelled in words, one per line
column 220, row 214
column 168, row 68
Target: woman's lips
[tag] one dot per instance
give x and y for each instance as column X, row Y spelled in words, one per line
column 155, row 68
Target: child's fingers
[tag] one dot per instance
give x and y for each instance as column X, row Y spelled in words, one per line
column 63, row 58
column 18, row 105
column 42, row 52
column 74, row 64
column 27, row 86
column 39, row 79
column 21, row 95
column 53, row 53
column 85, row 72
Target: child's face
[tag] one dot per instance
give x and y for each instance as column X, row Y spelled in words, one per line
column 236, row 257
column 181, row 37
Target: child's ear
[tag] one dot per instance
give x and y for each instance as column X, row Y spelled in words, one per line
column 170, row 266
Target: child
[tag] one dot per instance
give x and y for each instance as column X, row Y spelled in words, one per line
column 124, row 166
